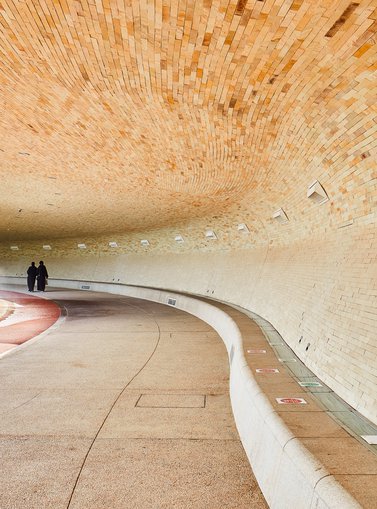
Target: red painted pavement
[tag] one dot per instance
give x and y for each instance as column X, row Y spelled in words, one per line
column 34, row 316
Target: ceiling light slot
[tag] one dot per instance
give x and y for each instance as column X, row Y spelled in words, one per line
column 242, row 227
column 210, row 234
column 47, row 247
column 280, row 216
column 113, row 244
column 81, row 246
column 316, row 193
column 144, row 242
column 14, row 248
column 179, row 239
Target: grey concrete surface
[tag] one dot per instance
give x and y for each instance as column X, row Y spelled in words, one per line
column 179, row 474
column 124, row 406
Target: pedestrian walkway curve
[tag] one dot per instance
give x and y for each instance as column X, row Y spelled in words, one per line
column 308, row 449
column 124, row 405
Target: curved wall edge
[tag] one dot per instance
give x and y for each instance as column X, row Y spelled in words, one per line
column 279, row 461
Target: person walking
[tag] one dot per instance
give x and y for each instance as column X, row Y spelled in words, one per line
column 31, row 275
column 42, row 275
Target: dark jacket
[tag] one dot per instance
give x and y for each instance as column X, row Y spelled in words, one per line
column 42, row 272
column 32, row 271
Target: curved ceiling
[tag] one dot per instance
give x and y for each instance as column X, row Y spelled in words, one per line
column 125, row 115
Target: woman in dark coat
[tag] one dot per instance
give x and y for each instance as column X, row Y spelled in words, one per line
column 31, row 275
column 42, row 275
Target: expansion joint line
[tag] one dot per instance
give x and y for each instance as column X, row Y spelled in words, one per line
column 113, row 405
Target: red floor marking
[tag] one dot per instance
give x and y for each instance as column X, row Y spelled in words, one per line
column 34, row 316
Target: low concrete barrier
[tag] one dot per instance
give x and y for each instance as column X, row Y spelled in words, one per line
column 288, row 474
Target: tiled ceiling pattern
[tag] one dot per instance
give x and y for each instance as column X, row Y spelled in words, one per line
column 128, row 115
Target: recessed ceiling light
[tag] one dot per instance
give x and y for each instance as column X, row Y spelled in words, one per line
column 316, row 193
column 47, row 247
column 113, row 244
column 280, row 216
column 242, row 227
column 144, row 242
column 179, row 239
column 81, row 246
column 14, row 248
column 210, row 234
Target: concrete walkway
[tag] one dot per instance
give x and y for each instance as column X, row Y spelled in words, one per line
column 124, row 406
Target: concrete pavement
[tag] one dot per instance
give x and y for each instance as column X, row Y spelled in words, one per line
column 125, row 405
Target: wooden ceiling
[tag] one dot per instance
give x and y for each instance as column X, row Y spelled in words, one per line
column 120, row 116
